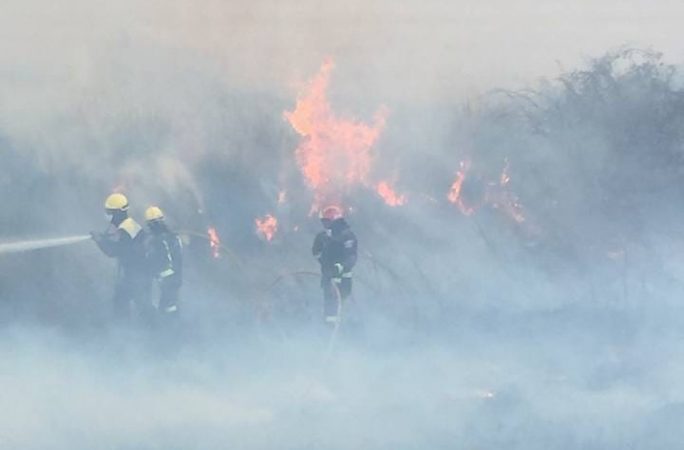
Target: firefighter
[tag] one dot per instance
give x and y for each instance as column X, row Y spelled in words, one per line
column 336, row 250
column 124, row 240
column 164, row 251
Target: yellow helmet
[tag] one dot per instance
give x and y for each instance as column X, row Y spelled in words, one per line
column 116, row 202
column 154, row 213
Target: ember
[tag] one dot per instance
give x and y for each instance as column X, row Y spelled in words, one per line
column 266, row 226
column 454, row 195
column 214, row 242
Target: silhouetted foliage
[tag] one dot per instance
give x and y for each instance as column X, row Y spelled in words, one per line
column 596, row 156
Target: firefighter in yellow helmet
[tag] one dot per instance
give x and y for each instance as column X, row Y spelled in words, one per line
column 164, row 253
column 124, row 240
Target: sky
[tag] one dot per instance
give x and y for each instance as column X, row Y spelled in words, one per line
column 404, row 50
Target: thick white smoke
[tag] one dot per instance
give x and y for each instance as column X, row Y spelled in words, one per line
column 467, row 332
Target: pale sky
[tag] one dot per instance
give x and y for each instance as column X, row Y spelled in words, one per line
column 403, row 50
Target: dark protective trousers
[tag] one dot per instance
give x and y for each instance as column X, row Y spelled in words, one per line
column 132, row 292
column 169, row 294
column 168, row 315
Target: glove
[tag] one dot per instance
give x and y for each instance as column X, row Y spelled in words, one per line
column 337, row 278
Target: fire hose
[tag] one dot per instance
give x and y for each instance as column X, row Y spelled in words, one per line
column 338, row 296
column 376, row 264
column 396, row 280
column 332, row 340
column 28, row 245
column 333, row 336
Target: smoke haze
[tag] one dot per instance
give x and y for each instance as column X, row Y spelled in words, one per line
column 525, row 294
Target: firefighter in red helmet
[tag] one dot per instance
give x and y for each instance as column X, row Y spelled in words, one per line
column 336, row 250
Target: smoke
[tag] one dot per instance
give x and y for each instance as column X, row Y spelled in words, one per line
column 540, row 309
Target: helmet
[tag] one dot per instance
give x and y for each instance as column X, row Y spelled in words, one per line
column 116, row 203
column 331, row 213
column 154, row 213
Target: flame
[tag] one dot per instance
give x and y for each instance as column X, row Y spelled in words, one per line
column 266, row 226
column 334, row 153
column 497, row 195
column 388, row 194
column 454, row 195
column 506, row 200
column 509, row 204
column 504, row 179
column 214, row 242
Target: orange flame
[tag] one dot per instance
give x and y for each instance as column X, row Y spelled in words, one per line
column 391, row 198
column 497, row 195
column 509, row 204
column 506, row 200
column 214, row 242
column 504, row 179
column 454, row 195
column 266, row 226
column 334, row 152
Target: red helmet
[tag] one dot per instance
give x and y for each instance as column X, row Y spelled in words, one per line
column 331, row 213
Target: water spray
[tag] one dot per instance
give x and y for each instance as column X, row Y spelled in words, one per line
column 37, row 244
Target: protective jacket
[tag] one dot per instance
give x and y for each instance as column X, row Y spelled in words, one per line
column 336, row 248
column 164, row 251
column 125, row 242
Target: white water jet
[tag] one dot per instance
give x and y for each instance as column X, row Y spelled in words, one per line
column 36, row 244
